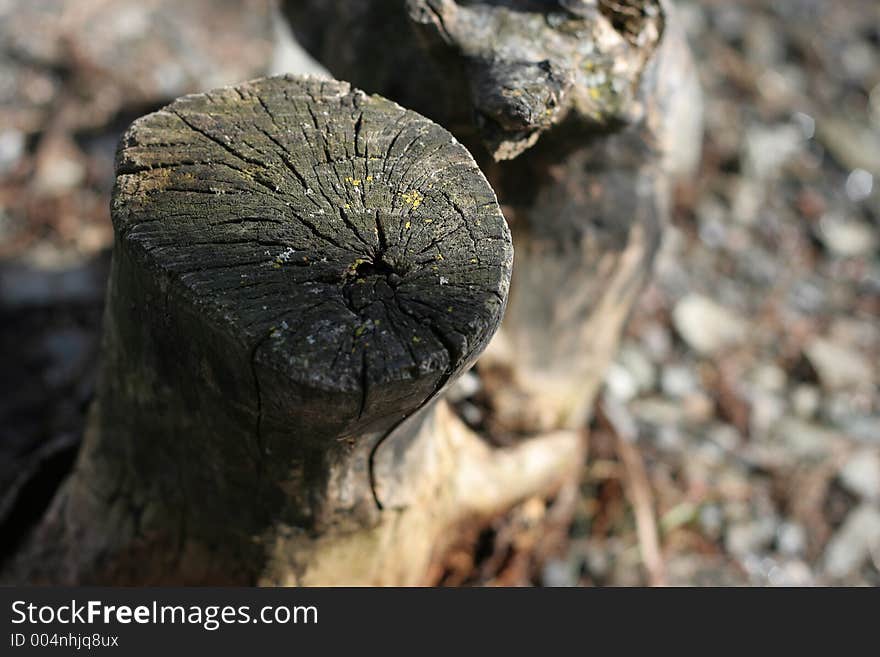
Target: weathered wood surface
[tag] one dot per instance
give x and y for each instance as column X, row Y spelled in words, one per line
column 299, row 271
column 582, row 114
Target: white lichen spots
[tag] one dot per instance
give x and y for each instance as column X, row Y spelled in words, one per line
column 444, row 280
column 285, row 325
column 309, row 191
column 284, row 256
column 310, row 339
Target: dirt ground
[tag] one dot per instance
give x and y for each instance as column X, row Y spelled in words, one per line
column 748, row 373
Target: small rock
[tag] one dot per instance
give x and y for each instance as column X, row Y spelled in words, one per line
column 698, row 408
column 678, row 381
column 861, row 474
column 711, row 520
column 853, row 145
column 791, row 539
column 656, row 411
column 839, row 367
column 656, row 341
column 805, row 400
column 467, row 385
column 727, row 437
column 768, row 148
column 747, row 538
column 769, row 378
column 854, row 542
column 11, row 149
column 60, row 167
column 805, row 440
column 845, row 237
column 766, row 411
column 558, row 573
column 470, row 413
column 791, row 573
column 859, row 185
column 640, row 368
column 864, row 428
column 705, row 326
column 620, row 383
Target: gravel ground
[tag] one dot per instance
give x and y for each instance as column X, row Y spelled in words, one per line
column 750, row 365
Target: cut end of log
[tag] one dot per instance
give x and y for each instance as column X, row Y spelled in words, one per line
column 353, row 247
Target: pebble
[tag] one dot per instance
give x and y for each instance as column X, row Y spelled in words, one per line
column 804, row 440
column 769, row 148
column 769, row 378
column 864, row 428
column 859, row 185
column 846, row 237
column 559, row 573
column 746, row 538
column 805, row 400
column 467, row 385
column 861, row 474
column 838, row 366
column 640, row 368
column 657, row 411
column 620, row 384
column 854, row 543
column 705, row 326
column 678, row 381
column 12, row 144
column 791, row 539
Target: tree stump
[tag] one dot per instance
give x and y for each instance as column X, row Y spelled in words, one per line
column 583, row 114
column 586, row 111
column 299, row 271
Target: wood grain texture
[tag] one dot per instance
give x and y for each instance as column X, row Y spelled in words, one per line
column 353, row 246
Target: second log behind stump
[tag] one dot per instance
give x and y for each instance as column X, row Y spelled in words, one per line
column 298, row 267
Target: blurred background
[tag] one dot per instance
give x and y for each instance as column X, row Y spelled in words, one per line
column 749, row 368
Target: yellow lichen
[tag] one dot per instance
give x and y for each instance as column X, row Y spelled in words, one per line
column 414, row 198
